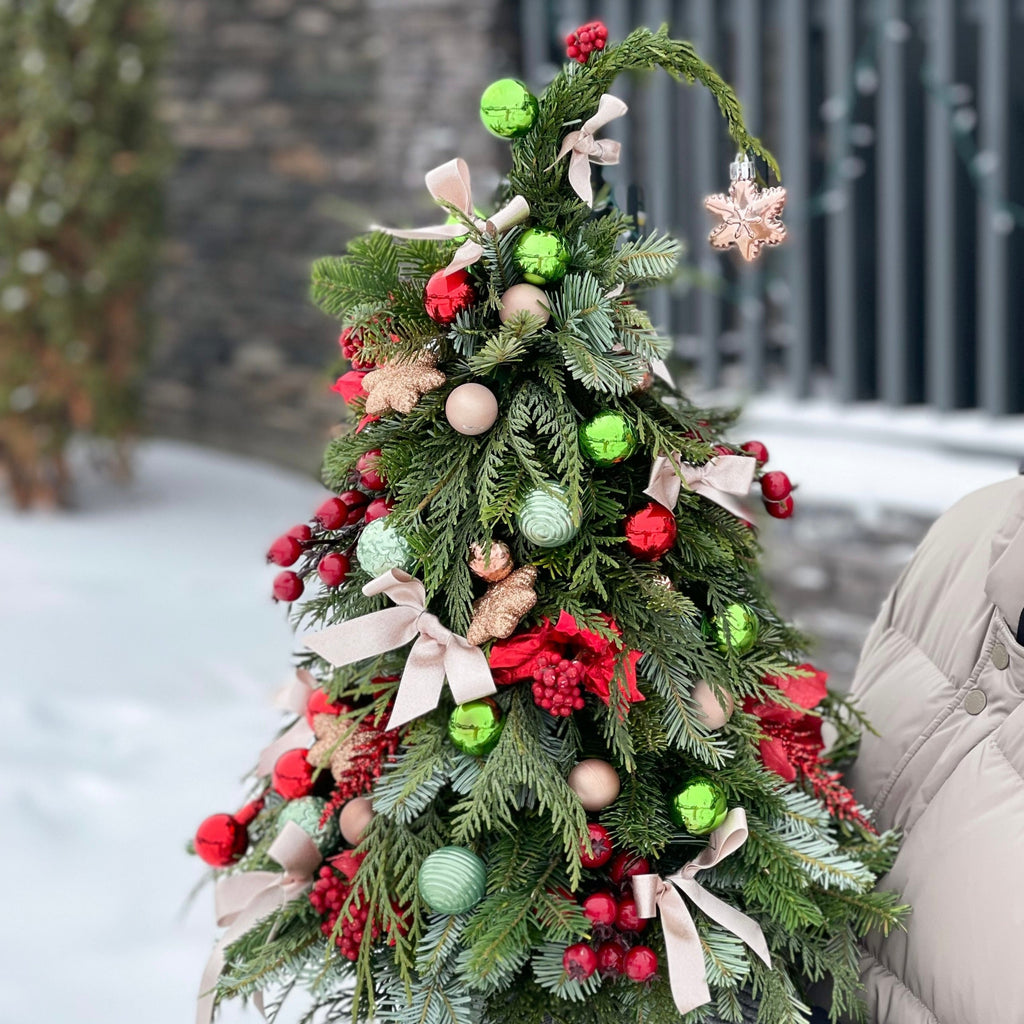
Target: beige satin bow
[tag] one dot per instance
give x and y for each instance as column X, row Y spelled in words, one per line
column 686, row 969
column 723, row 480
column 449, row 183
column 293, row 697
column 436, row 654
column 243, row 900
column 587, row 150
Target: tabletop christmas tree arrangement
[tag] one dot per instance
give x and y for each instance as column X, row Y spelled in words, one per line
column 553, row 755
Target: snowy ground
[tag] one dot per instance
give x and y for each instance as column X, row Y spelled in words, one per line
column 140, row 652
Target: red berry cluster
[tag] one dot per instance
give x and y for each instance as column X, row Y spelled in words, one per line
column 579, row 45
column 612, row 912
column 776, row 489
column 556, row 686
column 328, row 895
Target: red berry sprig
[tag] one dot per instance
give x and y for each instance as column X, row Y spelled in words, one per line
column 777, row 494
column 556, row 686
column 600, row 851
column 579, row 45
column 328, row 896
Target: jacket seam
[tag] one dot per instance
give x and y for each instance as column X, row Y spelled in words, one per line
column 1002, row 753
column 902, row 984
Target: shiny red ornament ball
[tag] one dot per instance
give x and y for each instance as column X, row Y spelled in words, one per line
column 292, row 777
column 626, row 865
column 370, row 475
column 579, row 961
column 320, row 704
column 611, row 957
column 757, row 449
column 221, row 840
column 447, row 295
column 626, row 917
column 775, row 486
column 302, row 533
column 780, row 509
column 601, row 908
column 355, row 503
column 378, row 509
column 600, row 847
column 650, row 532
column 641, row 964
column 333, row 569
column 285, row 550
column 287, row 586
column 331, row 515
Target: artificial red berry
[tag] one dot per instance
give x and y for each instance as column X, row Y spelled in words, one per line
column 370, row 475
column 757, row 449
column 600, row 847
column 287, row 586
column 293, row 775
column 302, row 533
column 611, row 957
column 248, row 813
column 626, row 865
column 579, row 961
column 328, row 896
column 220, row 840
column 355, row 504
column 351, row 342
column 626, row 917
column 556, row 686
column 378, row 509
column 640, row 964
column 284, row 551
column 333, row 569
column 331, row 515
column 601, row 908
column 780, row 509
column 775, row 486
column 723, row 449
column 587, row 38
column 320, row 704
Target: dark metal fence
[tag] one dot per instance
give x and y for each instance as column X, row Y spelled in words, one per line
column 897, row 124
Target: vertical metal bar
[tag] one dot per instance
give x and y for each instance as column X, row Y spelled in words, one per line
column 940, row 204
column 993, row 351
column 657, row 117
column 891, row 326
column 797, row 253
column 534, row 37
column 707, row 177
column 619, row 24
column 747, row 80
column 840, row 242
column 571, row 15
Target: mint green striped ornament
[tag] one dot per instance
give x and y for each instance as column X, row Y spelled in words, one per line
column 546, row 518
column 306, row 813
column 452, row 880
column 381, row 547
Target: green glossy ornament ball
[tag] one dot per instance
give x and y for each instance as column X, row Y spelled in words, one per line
column 699, row 807
column 507, row 108
column 475, row 727
column 735, row 628
column 382, row 547
column 452, row 880
column 545, row 517
column 306, row 813
column 607, row 438
column 542, row 256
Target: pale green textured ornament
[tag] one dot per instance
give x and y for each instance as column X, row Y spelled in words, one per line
column 306, row 813
column 381, row 547
column 607, row 438
column 546, row 519
column 452, row 880
column 735, row 628
column 508, row 109
column 699, row 807
column 542, row 256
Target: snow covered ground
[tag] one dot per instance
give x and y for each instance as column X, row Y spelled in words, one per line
column 140, row 652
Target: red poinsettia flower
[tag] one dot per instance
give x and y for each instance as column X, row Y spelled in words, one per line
column 517, row 658
column 350, row 385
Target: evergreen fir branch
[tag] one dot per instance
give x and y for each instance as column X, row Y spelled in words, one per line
column 509, row 346
column 637, row 335
column 646, row 260
column 583, row 309
column 725, row 958
column 614, row 373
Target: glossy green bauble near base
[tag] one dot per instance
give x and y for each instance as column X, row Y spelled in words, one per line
column 699, row 807
column 735, row 629
column 475, row 727
column 607, row 438
column 507, row 108
column 542, row 256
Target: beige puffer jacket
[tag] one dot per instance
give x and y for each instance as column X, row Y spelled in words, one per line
column 942, row 680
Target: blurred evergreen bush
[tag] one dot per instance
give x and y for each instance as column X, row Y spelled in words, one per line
column 82, row 155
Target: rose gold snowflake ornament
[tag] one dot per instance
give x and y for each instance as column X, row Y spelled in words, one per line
column 750, row 215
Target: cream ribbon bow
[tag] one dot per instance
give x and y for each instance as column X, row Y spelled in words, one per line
column 587, row 150
column 437, row 652
column 449, row 183
column 244, row 900
column 686, row 969
column 293, row 697
column 723, row 480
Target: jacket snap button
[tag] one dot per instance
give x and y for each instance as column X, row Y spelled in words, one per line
column 1000, row 656
column 975, row 701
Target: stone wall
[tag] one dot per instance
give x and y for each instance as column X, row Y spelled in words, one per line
column 297, row 124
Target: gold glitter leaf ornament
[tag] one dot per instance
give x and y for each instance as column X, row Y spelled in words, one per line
column 398, row 386
column 498, row 612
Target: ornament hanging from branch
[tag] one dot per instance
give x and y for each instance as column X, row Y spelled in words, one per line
column 398, row 386
column 750, row 215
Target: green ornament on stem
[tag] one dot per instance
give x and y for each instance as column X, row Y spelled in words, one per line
column 508, row 109
column 475, row 727
column 699, row 807
column 381, row 547
column 607, row 438
column 306, row 812
column 542, row 256
column 735, row 629
column 452, row 880
column 546, row 519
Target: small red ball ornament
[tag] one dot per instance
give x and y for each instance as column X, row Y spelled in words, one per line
column 284, row 551
column 775, row 486
column 355, row 504
column 287, row 586
column 600, row 847
column 626, row 865
column 377, row 509
column 641, row 964
column 650, row 532
column 579, row 961
column 333, row 569
column 601, row 908
column 780, row 509
column 611, row 957
column 447, row 295
column 370, row 475
column 757, row 449
column 292, row 777
column 221, row 840
column 331, row 515
column 626, row 917
column 320, row 704
column 302, row 533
